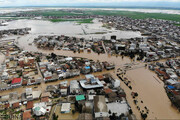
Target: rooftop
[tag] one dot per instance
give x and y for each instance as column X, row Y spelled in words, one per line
column 16, row 80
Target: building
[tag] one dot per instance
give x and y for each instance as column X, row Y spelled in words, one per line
column 30, row 105
column 91, row 82
column 119, row 108
column 100, row 107
column 80, row 97
column 85, row 116
column 29, row 95
column 16, row 82
column 74, row 87
column 66, row 107
column 40, row 109
column 116, row 83
column 27, row 115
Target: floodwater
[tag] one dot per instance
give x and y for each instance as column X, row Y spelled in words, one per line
column 143, row 81
column 88, row 31
column 150, row 90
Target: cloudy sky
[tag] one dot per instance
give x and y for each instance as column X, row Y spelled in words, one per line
column 151, row 3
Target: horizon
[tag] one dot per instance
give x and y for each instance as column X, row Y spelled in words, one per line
column 91, row 3
column 98, row 6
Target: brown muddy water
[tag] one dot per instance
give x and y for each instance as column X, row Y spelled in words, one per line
column 151, row 91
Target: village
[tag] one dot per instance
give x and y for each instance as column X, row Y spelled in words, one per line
column 147, row 48
column 75, row 99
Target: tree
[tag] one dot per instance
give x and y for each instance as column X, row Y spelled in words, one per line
column 130, row 111
column 144, row 116
column 109, row 111
column 80, row 108
column 122, row 115
column 73, row 112
column 53, row 55
column 113, row 117
column 38, row 59
column 55, row 117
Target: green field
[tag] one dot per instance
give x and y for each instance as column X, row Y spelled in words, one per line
column 133, row 15
column 177, row 24
column 76, row 20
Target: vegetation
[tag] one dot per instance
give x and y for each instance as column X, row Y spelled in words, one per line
column 135, row 15
column 177, row 24
column 77, row 20
column 55, row 117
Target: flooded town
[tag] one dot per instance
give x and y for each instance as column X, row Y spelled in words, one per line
column 115, row 68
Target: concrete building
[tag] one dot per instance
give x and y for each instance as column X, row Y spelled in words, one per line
column 66, row 107
column 100, row 107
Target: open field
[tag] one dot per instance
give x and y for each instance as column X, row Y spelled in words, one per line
column 77, row 20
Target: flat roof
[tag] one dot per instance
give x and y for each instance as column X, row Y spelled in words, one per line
column 65, row 107
column 80, row 97
column 91, row 86
column 100, row 104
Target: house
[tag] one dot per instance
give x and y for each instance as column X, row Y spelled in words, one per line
column 40, row 109
column 91, row 82
column 144, row 47
column 36, row 94
column 80, row 97
column 63, row 92
column 5, row 76
column 74, row 87
column 27, row 115
column 4, row 98
column 85, row 116
column 29, row 95
column 171, row 82
column 15, row 105
column 100, row 107
column 116, row 83
column 29, row 105
column 45, row 99
column 86, row 69
column 132, row 47
column 66, row 107
column 120, row 47
column 16, row 82
column 63, row 88
column 47, row 76
column 119, row 108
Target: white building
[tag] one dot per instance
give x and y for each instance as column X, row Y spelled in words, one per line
column 29, row 95
column 74, row 87
column 116, row 83
column 66, row 107
column 40, row 109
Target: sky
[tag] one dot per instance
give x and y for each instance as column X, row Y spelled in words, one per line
column 148, row 3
